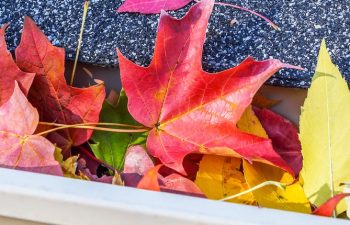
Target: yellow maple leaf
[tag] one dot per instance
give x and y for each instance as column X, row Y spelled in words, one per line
column 292, row 198
column 250, row 123
column 219, row 177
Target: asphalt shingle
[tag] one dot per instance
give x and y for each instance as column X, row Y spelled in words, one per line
column 303, row 22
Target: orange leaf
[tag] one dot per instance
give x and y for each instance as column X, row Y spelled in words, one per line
column 150, row 179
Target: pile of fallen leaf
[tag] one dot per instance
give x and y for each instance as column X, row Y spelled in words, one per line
column 176, row 128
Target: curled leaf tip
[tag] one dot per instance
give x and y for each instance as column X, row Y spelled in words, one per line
column 328, row 208
column 99, row 82
column 274, row 26
column 289, row 66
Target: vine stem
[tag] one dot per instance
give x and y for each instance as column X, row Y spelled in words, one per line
column 266, row 183
column 86, row 7
column 93, row 124
column 272, row 24
column 81, row 126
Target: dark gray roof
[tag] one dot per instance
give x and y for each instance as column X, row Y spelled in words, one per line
column 303, row 22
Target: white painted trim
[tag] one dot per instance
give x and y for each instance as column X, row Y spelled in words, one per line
column 57, row 200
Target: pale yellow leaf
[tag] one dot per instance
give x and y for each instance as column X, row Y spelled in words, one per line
column 325, row 132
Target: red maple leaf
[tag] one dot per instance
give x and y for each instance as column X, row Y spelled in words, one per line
column 9, row 72
column 188, row 109
column 151, row 6
column 56, row 101
column 19, row 149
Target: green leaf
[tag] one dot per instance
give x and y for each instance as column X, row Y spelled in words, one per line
column 325, row 132
column 111, row 147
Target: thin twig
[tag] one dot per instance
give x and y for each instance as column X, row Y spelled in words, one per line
column 266, row 183
column 93, row 124
column 274, row 26
column 86, row 7
column 64, row 126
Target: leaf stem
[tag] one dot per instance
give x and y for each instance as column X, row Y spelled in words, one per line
column 93, row 124
column 272, row 24
column 266, row 183
column 79, row 126
column 86, row 7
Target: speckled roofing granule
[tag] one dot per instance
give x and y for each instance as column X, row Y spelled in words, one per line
column 303, row 22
